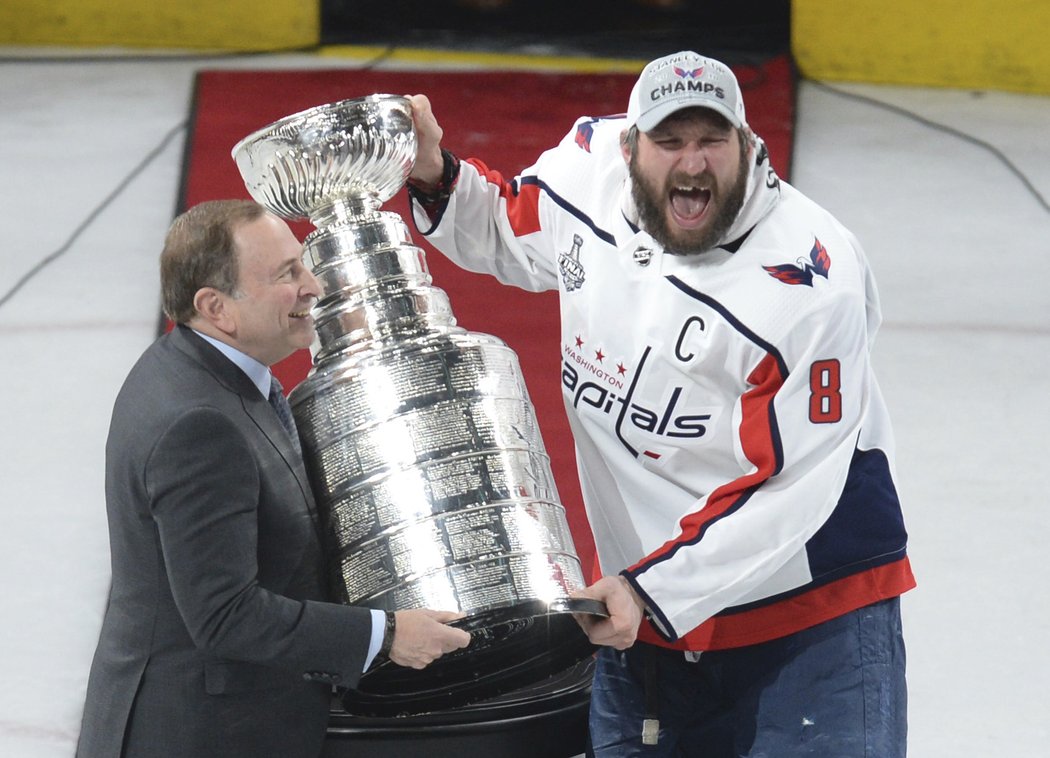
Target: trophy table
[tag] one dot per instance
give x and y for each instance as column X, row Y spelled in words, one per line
column 421, row 442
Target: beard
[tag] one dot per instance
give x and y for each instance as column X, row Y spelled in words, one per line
column 651, row 204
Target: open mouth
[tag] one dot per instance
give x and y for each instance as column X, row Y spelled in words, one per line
column 300, row 314
column 689, row 204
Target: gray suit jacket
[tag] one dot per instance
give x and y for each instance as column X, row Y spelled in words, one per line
column 216, row 639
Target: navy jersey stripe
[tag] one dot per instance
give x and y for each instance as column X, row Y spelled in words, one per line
column 750, row 335
column 733, row 321
column 867, row 520
column 865, row 530
column 571, row 209
column 762, row 446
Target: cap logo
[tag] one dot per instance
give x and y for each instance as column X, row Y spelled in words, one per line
column 682, row 73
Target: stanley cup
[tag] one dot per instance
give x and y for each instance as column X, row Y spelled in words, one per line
column 420, row 439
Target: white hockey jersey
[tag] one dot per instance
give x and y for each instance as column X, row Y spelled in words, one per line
column 734, row 452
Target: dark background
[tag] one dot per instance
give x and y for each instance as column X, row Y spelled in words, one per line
column 733, row 31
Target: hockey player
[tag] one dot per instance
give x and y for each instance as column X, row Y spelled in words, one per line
column 734, row 451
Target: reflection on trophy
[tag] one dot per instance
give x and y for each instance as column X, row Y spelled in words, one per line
column 420, row 439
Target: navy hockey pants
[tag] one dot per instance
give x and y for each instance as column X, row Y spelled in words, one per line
column 836, row 690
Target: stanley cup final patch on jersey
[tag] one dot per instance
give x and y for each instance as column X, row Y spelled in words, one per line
column 819, row 263
column 570, row 267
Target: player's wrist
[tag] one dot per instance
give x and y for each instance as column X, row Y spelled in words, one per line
column 632, row 592
column 431, row 187
column 427, row 171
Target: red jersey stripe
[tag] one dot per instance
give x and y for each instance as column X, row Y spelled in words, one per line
column 760, row 441
column 522, row 206
column 794, row 614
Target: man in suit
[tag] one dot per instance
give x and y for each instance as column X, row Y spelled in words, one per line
column 217, row 639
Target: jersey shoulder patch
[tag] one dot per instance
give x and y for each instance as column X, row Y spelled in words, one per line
column 802, row 271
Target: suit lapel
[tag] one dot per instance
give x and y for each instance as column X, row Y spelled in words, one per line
column 255, row 406
column 266, row 419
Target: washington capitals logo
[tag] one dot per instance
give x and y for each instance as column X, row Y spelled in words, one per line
column 683, row 73
column 804, row 271
column 584, row 132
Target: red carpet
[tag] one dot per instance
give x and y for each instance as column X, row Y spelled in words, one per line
column 507, row 119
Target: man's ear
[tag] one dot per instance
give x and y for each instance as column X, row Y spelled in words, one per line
column 213, row 307
column 749, row 139
column 625, row 149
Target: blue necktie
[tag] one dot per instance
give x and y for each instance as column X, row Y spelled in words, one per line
column 284, row 412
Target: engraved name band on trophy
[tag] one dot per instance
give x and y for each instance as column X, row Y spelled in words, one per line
column 420, row 439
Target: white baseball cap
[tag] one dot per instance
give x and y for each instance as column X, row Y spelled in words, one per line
column 684, row 80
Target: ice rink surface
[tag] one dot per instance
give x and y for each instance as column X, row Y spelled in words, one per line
column 959, row 242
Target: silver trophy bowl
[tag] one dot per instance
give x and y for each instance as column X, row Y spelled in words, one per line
column 419, row 437
column 332, row 162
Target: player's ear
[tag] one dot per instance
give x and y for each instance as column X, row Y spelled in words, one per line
column 625, row 146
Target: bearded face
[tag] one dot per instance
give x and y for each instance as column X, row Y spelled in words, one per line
column 689, row 178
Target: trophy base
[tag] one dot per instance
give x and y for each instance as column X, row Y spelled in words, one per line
column 510, row 648
column 548, row 718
